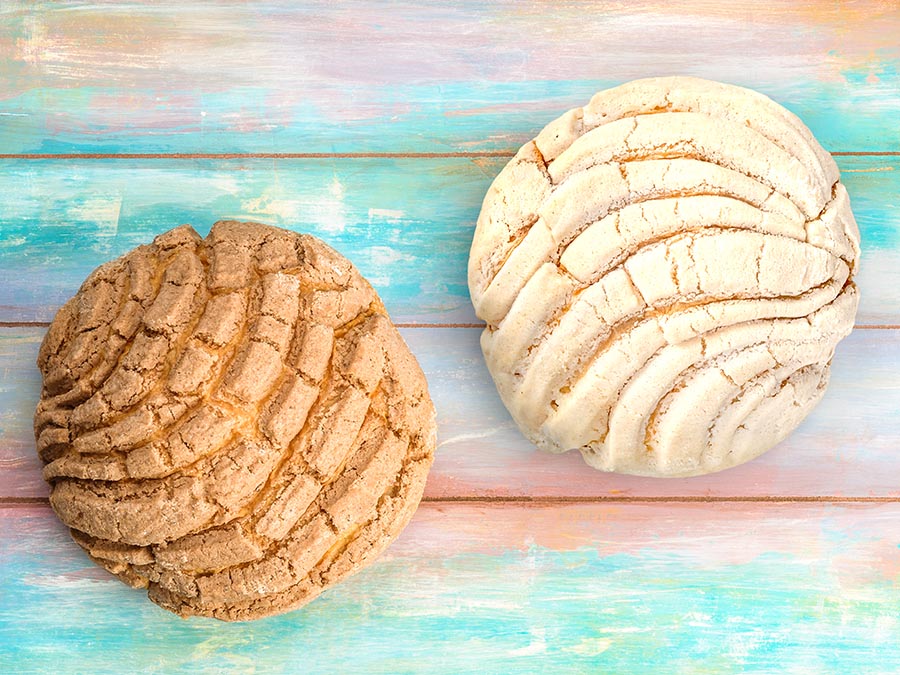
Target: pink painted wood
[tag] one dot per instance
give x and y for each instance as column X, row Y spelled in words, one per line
column 788, row 564
column 846, row 449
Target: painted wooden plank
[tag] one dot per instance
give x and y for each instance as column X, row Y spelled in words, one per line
column 407, row 223
column 686, row 588
column 323, row 76
column 847, row 447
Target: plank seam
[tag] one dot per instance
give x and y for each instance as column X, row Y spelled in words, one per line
column 257, row 155
column 676, row 499
column 46, row 324
column 600, row 499
column 325, row 155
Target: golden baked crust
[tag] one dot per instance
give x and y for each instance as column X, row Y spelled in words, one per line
column 232, row 422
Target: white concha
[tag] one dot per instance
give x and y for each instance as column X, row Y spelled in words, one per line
column 665, row 274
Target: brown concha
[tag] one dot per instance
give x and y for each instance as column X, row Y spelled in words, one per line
column 232, row 422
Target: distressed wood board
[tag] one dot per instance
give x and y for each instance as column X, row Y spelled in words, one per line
column 379, row 128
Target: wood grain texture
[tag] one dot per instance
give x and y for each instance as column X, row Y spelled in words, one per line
column 275, row 75
column 406, row 223
column 472, row 586
column 389, row 216
column 846, row 448
column 679, row 589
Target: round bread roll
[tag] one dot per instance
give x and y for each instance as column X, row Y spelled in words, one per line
column 664, row 275
column 232, row 422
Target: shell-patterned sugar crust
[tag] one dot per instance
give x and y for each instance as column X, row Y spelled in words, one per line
column 665, row 274
column 232, row 422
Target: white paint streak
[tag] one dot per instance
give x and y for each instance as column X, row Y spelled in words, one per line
column 282, row 209
column 12, row 242
column 538, row 644
column 102, row 210
column 385, row 255
column 87, row 579
column 329, row 213
column 590, row 646
column 459, row 438
column 336, row 188
column 388, row 214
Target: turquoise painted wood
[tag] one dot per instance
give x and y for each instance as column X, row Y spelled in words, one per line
column 846, row 448
column 330, row 77
column 624, row 589
column 535, row 575
column 407, row 223
column 390, row 216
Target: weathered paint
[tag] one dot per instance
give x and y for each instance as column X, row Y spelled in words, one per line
column 331, row 77
column 846, row 448
column 407, row 223
column 469, row 588
column 489, row 588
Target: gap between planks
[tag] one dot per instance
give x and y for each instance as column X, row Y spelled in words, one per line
column 323, row 155
column 46, row 324
column 258, row 155
column 524, row 500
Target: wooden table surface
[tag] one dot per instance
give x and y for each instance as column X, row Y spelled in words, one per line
column 379, row 128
